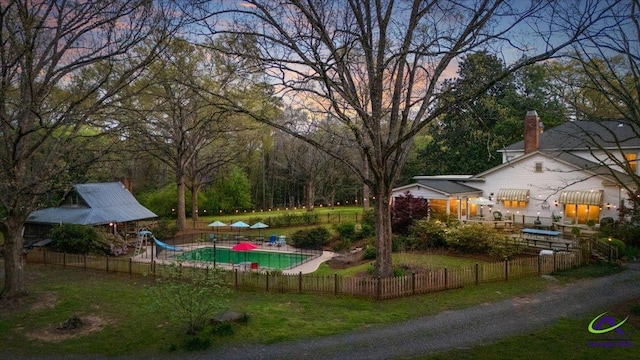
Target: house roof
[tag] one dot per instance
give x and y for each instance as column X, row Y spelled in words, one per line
column 578, row 162
column 584, row 135
column 105, row 203
column 441, row 186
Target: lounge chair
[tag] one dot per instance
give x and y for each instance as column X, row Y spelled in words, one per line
column 272, row 240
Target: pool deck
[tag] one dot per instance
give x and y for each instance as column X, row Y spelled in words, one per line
column 312, row 265
column 305, row 268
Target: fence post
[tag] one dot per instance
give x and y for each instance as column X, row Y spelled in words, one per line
column 64, row 259
column 300, row 282
column 413, row 283
column 44, row 257
column 335, row 284
column 555, row 265
column 106, row 257
column 130, row 266
column 267, row 275
column 539, row 265
column 446, row 278
column 477, row 274
column 236, row 279
column 379, row 288
column 506, row 270
column 84, row 257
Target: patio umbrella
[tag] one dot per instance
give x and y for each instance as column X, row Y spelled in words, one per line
column 217, row 224
column 259, row 226
column 246, row 247
column 239, row 225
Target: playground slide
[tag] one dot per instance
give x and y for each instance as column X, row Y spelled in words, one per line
column 165, row 245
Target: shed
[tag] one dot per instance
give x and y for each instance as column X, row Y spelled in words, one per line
column 93, row 204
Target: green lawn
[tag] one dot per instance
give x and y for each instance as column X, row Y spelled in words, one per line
column 131, row 327
column 128, row 326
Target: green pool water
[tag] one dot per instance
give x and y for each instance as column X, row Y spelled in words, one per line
column 265, row 259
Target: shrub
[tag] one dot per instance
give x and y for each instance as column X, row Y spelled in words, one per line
column 367, row 226
column 480, row 239
column 341, row 245
column 616, row 243
column 399, row 243
column 293, row 219
column 347, row 231
column 115, row 243
column 369, row 253
column 472, row 238
column 631, row 253
column 310, row 239
column 77, row 239
column 427, row 234
column 367, row 230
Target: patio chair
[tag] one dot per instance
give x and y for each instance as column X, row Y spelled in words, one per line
column 497, row 216
column 272, row 240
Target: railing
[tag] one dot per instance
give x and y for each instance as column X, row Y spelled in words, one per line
column 604, row 249
column 375, row 287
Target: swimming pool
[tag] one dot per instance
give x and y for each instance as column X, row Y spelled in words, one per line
column 265, row 259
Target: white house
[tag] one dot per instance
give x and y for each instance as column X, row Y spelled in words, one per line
column 559, row 172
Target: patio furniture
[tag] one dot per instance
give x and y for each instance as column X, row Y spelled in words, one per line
column 272, row 240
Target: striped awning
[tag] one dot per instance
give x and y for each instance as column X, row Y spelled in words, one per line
column 513, row 195
column 582, row 197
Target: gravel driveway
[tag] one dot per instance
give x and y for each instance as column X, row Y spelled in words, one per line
column 476, row 325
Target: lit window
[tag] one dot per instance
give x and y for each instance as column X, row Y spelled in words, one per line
column 632, row 160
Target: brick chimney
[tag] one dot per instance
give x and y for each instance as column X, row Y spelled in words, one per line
column 532, row 131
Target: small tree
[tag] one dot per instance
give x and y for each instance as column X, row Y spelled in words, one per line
column 407, row 209
column 191, row 296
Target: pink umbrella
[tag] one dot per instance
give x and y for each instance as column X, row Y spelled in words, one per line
column 244, row 246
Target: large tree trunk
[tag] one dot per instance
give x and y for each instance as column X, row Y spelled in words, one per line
column 366, row 192
column 194, row 205
column 311, row 194
column 13, row 260
column 181, row 221
column 384, row 266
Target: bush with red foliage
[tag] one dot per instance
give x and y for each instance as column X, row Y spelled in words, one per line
column 407, row 209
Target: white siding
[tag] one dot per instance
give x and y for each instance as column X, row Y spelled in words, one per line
column 545, row 185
